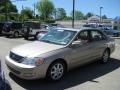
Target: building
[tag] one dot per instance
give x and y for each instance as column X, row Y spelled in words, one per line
column 93, row 19
column 109, row 22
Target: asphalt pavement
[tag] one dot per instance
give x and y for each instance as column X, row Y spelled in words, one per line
column 94, row 76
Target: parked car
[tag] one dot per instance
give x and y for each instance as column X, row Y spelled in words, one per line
column 4, row 85
column 59, row 51
column 41, row 34
column 31, row 29
column 12, row 29
column 45, row 28
column 109, row 31
column 56, row 25
column 90, row 25
column 1, row 27
column 51, row 26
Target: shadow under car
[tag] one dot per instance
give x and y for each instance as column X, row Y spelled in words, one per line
column 72, row 78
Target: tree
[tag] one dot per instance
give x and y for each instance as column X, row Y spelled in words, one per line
column 27, row 13
column 104, row 17
column 2, row 17
column 7, row 7
column 68, row 18
column 60, row 13
column 88, row 15
column 78, row 15
column 45, row 9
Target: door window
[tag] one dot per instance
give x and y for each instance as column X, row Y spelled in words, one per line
column 83, row 36
column 97, row 36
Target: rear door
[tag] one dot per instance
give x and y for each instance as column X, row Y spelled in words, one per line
column 98, row 43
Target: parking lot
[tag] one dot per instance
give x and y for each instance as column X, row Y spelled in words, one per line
column 94, row 76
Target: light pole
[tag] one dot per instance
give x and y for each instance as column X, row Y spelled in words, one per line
column 101, row 14
column 73, row 16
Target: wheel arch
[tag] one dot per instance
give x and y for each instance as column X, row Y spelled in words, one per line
column 60, row 59
column 57, row 60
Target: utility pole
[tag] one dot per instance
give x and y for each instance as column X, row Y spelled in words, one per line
column 73, row 14
column 101, row 14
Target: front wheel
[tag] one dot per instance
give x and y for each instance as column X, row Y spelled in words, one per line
column 116, row 34
column 56, row 71
column 106, row 56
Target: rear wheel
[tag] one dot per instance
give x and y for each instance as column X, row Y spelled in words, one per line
column 106, row 56
column 16, row 34
column 35, row 37
column 7, row 36
column 56, row 71
column 26, row 37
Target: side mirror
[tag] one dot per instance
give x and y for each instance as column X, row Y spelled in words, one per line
column 76, row 43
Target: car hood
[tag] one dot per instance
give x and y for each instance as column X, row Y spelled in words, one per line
column 35, row 49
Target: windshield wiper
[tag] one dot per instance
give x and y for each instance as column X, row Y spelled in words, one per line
column 49, row 42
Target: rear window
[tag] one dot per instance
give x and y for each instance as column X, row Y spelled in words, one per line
column 32, row 25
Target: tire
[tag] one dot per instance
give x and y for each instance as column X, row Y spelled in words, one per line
column 35, row 37
column 26, row 37
column 7, row 36
column 16, row 34
column 116, row 34
column 56, row 71
column 105, row 56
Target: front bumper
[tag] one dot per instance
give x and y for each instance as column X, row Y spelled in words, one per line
column 25, row 71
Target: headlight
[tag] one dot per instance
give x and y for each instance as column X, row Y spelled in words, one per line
column 33, row 61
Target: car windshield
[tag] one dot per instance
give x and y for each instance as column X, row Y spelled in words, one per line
column 58, row 36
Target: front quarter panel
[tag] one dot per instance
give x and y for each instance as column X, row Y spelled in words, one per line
column 62, row 53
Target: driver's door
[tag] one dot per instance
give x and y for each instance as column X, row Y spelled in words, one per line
column 82, row 52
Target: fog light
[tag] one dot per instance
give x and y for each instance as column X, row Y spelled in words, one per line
column 29, row 74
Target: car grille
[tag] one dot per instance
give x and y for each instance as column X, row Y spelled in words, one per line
column 13, row 70
column 16, row 57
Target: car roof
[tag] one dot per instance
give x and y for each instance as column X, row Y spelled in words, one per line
column 78, row 30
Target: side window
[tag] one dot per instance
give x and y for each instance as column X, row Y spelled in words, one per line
column 97, row 36
column 83, row 36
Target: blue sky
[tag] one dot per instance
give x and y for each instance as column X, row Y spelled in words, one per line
column 110, row 7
